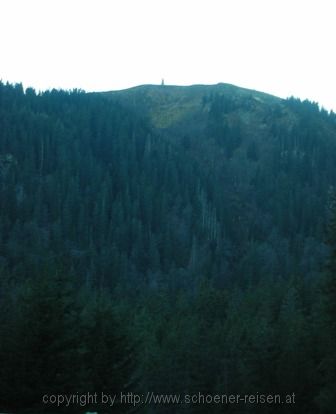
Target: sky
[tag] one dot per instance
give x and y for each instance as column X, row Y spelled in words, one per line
column 282, row 47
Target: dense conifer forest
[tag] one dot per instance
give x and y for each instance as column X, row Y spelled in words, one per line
column 170, row 240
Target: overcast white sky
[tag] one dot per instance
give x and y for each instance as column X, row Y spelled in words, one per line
column 283, row 47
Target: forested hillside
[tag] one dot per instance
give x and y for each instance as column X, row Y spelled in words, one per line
column 168, row 240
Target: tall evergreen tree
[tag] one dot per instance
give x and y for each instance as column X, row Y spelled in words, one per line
column 327, row 396
column 40, row 353
column 110, row 358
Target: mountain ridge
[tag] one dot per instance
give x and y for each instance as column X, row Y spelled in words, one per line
column 167, row 104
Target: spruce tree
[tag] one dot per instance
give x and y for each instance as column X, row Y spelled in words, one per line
column 40, row 352
column 109, row 356
column 327, row 396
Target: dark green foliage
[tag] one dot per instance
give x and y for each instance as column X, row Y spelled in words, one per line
column 109, row 358
column 53, row 342
column 192, row 222
column 90, row 181
column 40, row 342
column 327, row 324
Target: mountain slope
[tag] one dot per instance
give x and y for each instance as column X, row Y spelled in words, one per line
column 264, row 166
column 140, row 185
column 195, row 217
